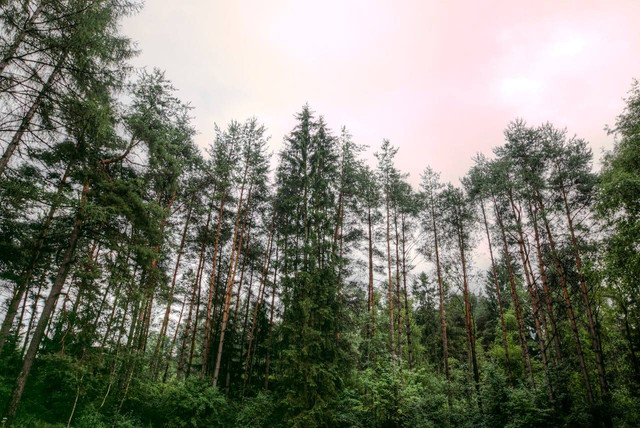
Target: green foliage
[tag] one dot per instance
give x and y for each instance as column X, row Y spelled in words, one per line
column 178, row 403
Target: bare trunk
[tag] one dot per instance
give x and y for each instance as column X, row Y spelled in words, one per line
column 467, row 310
column 187, row 329
column 390, row 279
column 26, row 120
column 443, row 319
column 567, row 301
column 524, row 257
column 498, row 293
column 595, row 338
column 406, row 301
column 273, row 304
column 371, row 296
column 230, row 278
column 17, row 41
column 259, row 297
column 545, row 287
column 173, row 341
column 38, row 333
column 25, row 281
column 212, row 281
column 167, row 312
column 526, row 361
column 398, row 299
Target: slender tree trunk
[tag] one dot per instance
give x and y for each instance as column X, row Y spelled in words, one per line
column 526, row 361
column 212, row 282
column 443, row 319
column 545, row 287
column 467, row 309
column 259, row 298
column 246, row 315
column 524, row 257
column 273, row 304
column 195, row 324
column 498, row 293
column 167, row 312
column 19, row 37
column 111, row 316
column 595, row 337
column 187, row 329
column 173, row 341
column 406, row 301
column 28, row 117
column 398, row 299
column 567, row 301
column 242, row 271
column 25, row 281
column 229, row 289
column 75, row 402
column 34, row 313
column 390, row 279
column 61, row 276
column 371, row 295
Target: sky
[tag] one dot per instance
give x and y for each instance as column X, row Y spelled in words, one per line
column 440, row 79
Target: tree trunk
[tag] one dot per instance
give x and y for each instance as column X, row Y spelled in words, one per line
column 567, row 300
column 524, row 257
column 467, row 310
column 398, row 299
column 259, row 298
column 371, row 295
column 390, row 279
column 187, row 329
column 545, row 287
column 26, row 120
column 443, row 319
column 23, row 286
column 595, row 337
column 11, row 52
column 167, row 312
column 406, row 301
column 498, row 293
column 514, row 296
column 229, row 289
column 61, row 276
column 173, row 341
column 212, row 281
column 273, row 303
column 195, row 324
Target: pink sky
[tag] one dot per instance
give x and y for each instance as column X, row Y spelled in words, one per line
column 439, row 79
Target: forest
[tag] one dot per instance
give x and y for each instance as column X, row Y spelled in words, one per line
column 148, row 282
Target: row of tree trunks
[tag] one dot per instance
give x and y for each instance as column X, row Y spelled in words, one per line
column 167, row 312
column 443, row 319
column 20, row 36
column 526, row 361
column 530, row 288
column 256, row 308
column 467, row 309
column 406, row 300
column 236, row 243
column 593, row 332
column 212, row 282
column 498, row 293
column 28, row 117
column 61, row 276
column 25, row 280
column 567, row 299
